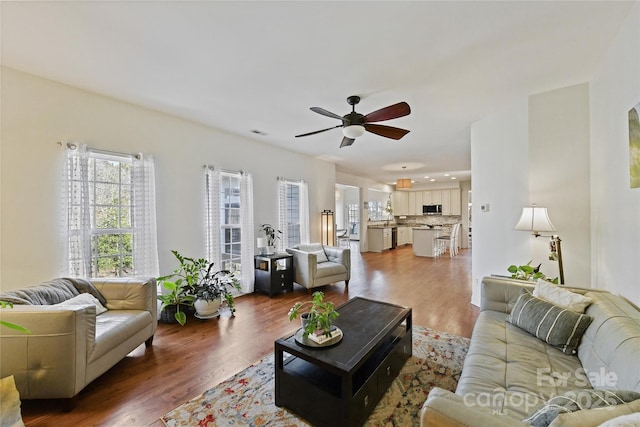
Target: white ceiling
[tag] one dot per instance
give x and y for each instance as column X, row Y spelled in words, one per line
column 239, row 65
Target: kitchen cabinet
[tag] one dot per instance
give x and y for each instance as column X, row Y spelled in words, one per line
column 436, row 197
column 451, row 201
column 426, row 198
column 400, row 203
column 405, row 235
column 424, row 241
column 419, row 203
column 379, row 239
column 412, row 202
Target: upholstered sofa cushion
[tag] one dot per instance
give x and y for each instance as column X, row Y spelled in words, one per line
column 84, row 299
column 561, row 297
column 576, row 400
column 560, row 327
column 595, row 417
column 314, row 248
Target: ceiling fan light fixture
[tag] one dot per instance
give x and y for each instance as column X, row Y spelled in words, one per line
column 353, row 131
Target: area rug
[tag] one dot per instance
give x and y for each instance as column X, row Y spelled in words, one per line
column 247, row 398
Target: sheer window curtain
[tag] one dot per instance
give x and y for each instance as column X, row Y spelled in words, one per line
column 212, row 214
column 145, row 234
column 76, row 216
column 247, row 235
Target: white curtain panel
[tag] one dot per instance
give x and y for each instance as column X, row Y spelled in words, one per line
column 145, row 235
column 282, row 216
column 212, row 214
column 247, row 234
column 304, row 212
column 76, row 218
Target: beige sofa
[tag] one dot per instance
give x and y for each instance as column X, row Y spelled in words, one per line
column 317, row 265
column 70, row 346
column 508, row 373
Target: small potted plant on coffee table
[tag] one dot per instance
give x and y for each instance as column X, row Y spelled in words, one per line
column 317, row 316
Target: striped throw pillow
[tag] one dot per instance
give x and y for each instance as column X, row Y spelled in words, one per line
column 559, row 327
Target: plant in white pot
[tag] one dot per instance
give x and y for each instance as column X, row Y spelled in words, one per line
column 192, row 279
column 271, row 233
column 211, row 289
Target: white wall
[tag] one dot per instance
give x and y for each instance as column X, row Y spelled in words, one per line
column 615, row 207
column 499, row 159
column 571, row 151
column 559, row 178
column 36, row 113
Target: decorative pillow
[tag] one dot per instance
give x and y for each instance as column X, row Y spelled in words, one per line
column 84, row 299
column 315, row 248
column 10, row 403
column 576, row 400
column 631, row 420
column 555, row 325
column 84, row 286
column 595, row 417
column 561, row 297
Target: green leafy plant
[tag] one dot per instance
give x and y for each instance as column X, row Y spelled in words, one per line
column 218, row 284
column 271, row 233
column 196, row 278
column 5, row 304
column 319, row 314
column 527, row 272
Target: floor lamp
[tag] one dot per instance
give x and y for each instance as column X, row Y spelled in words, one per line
column 327, row 228
column 536, row 219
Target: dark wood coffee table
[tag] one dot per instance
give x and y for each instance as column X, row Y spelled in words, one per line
column 340, row 385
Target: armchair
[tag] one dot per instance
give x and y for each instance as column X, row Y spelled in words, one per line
column 317, row 265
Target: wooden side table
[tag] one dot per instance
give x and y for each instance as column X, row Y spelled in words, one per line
column 273, row 273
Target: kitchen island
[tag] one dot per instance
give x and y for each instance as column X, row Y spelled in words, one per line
column 424, row 240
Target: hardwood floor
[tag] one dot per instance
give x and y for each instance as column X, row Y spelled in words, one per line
column 186, row 361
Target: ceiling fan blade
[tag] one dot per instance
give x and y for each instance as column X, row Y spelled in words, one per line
column 318, row 131
column 386, row 131
column 387, row 113
column 346, row 142
column 325, row 112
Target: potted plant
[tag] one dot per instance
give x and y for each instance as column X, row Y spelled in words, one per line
column 211, row 289
column 271, row 234
column 527, row 272
column 317, row 314
column 181, row 284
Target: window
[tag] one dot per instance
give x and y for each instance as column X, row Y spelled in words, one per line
column 109, row 215
column 229, row 223
column 353, row 216
column 293, row 219
column 375, row 211
column 230, row 229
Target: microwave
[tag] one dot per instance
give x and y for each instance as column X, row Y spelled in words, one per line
column 431, row 209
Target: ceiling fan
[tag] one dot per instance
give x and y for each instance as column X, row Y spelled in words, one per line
column 354, row 124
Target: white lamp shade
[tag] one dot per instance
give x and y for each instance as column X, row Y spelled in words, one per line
column 534, row 219
column 353, row 131
column 262, row 242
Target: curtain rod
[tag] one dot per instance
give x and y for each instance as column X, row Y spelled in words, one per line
column 73, row 146
column 280, row 178
column 213, row 168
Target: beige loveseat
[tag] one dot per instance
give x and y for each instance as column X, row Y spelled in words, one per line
column 509, row 374
column 317, row 265
column 70, row 346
